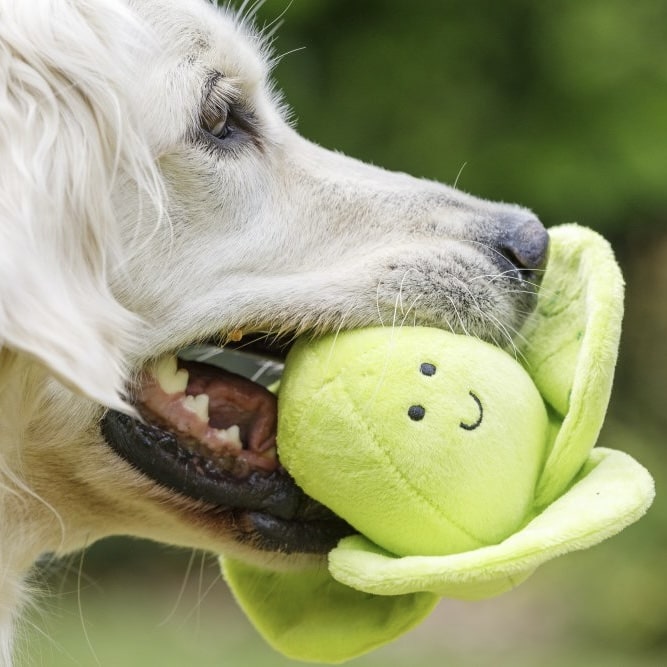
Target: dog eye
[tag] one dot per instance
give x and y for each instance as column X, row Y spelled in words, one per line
column 219, row 126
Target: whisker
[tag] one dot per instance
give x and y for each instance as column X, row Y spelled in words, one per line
column 400, row 288
column 181, row 592
column 79, row 604
column 537, row 286
column 522, row 291
column 458, row 315
column 456, row 180
column 249, row 8
column 411, row 307
column 202, row 592
column 505, row 330
column 493, row 276
column 508, row 274
column 487, row 246
column 337, row 333
column 276, row 60
column 395, row 315
column 498, row 325
column 377, row 302
column 270, row 29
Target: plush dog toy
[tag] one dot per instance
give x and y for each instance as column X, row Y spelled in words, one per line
column 462, row 466
column 426, row 442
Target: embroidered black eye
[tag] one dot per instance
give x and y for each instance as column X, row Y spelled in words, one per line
column 416, row 412
column 472, row 427
column 427, row 369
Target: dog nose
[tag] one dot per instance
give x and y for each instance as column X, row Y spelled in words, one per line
column 524, row 242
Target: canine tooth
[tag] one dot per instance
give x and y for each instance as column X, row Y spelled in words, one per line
column 270, row 454
column 197, row 404
column 171, row 378
column 230, row 436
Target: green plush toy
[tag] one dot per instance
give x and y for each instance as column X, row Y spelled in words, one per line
column 462, row 466
column 426, row 442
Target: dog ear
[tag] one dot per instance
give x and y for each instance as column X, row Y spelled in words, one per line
column 67, row 137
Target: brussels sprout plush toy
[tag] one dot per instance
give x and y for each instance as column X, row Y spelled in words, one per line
column 462, row 466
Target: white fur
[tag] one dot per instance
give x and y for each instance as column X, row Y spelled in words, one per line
column 121, row 237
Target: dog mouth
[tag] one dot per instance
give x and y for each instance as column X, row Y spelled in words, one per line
column 208, row 432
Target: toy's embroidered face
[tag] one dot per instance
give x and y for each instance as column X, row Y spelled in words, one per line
column 418, row 412
column 473, row 426
column 448, row 434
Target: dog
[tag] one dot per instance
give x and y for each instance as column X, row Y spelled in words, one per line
column 153, row 197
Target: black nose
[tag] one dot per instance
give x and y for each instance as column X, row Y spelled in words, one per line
column 524, row 241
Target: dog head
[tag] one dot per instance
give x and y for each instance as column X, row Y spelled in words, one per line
column 158, row 199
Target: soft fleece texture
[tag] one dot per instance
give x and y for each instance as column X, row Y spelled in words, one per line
column 458, row 476
column 308, row 615
column 582, row 495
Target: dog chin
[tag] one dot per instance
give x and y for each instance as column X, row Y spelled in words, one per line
column 208, row 433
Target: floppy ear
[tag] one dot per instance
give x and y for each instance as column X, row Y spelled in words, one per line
column 67, row 135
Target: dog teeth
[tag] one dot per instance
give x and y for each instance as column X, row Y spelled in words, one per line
column 170, row 378
column 197, row 404
column 230, row 436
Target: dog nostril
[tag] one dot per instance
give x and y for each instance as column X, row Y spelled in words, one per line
column 525, row 244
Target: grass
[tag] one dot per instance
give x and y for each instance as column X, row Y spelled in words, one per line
column 136, row 615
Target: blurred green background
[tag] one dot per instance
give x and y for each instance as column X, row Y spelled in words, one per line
column 559, row 106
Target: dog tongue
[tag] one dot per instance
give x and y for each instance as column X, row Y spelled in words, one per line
column 218, row 414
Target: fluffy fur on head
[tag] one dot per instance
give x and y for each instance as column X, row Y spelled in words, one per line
column 153, row 195
column 68, row 134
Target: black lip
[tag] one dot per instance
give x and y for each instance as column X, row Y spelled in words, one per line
column 296, row 537
column 280, row 515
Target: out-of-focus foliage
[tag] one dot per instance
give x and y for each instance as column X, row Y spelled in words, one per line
column 561, row 106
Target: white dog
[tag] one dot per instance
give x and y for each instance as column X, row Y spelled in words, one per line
column 153, row 196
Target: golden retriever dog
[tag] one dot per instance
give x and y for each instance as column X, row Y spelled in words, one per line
column 156, row 204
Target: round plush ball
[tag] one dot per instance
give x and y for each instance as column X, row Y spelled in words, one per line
column 425, row 441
